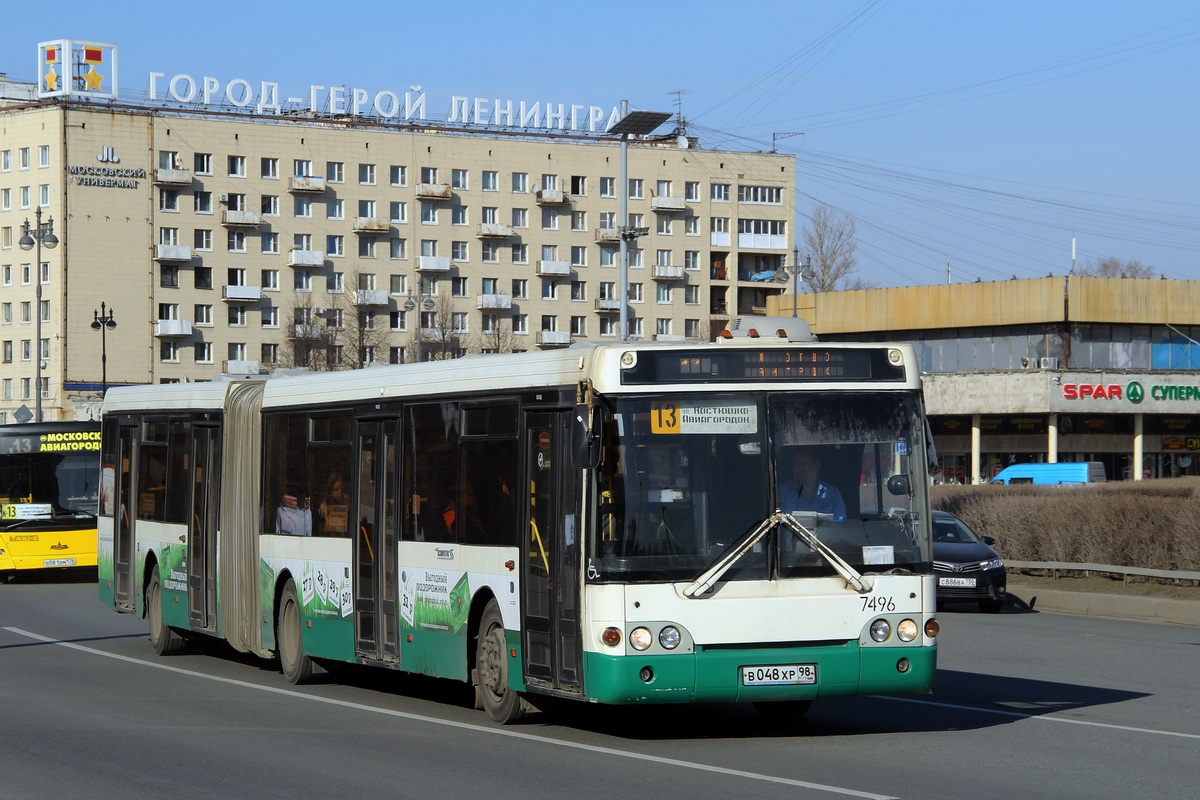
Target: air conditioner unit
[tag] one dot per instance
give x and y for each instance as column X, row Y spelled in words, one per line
column 223, row 198
column 1049, row 363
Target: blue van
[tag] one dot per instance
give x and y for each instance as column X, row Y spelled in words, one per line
column 1072, row 472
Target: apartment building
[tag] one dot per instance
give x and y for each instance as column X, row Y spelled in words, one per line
column 227, row 240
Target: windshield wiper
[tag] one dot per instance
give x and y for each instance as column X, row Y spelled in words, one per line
column 722, row 565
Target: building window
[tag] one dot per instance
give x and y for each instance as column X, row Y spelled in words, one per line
column 520, row 289
column 578, row 290
column 302, row 280
column 458, row 179
column 719, row 193
column 270, row 317
column 270, row 243
column 459, row 252
column 302, row 206
column 520, row 182
column 458, row 215
column 270, row 205
column 270, row 280
column 398, row 212
column 270, row 168
column 168, row 200
column 398, row 175
column 663, row 293
column 520, row 323
column 491, row 180
column 489, row 252
column 579, row 326
column 203, row 202
column 237, row 166
column 335, row 283
column 691, row 191
column 428, row 214
column 168, row 351
column 578, row 256
column 608, row 187
column 366, row 174
column 662, row 327
column 637, row 189
column 520, row 218
column 335, row 171
column 202, row 314
column 691, row 295
column 398, row 248
column 270, row 353
column 366, row 247
column 168, row 276
column 204, row 353
column 549, row 289
column 203, row 277
column 236, row 241
column 664, row 225
column 608, row 326
column 202, row 163
column 398, row 284
column 335, row 245
column 428, row 174
column 335, row 208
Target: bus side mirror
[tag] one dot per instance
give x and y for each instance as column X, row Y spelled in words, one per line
column 898, row 484
column 585, row 437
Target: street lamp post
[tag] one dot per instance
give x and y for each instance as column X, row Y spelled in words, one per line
column 42, row 235
column 102, row 320
column 636, row 123
column 426, row 304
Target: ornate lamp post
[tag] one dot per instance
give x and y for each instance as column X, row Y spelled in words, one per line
column 102, row 320
column 41, row 235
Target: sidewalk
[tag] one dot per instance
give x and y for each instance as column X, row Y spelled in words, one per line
column 1036, row 598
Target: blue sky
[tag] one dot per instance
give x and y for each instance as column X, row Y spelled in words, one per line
column 985, row 134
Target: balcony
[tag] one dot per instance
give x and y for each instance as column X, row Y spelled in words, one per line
column 553, row 269
column 608, row 305
column 306, row 258
column 667, row 203
column 488, row 301
column 494, row 230
column 553, row 339
column 550, row 197
column 433, row 264
column 608, row 235
column 172, row 329
column 762, row 241
column 668, row 272
column 306, row 184
column 241, row 294
column 719, row 239
column 370, row 297
column 371, row 225
column 434, row 191
column 164, row 176
column 172, row 253
column 235, row 367
column 306, row 332
column 241, row 219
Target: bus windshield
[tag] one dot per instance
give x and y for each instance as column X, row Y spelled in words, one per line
column 683, row 477
column 47, row 486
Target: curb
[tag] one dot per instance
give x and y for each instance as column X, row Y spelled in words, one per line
column 1151, row 609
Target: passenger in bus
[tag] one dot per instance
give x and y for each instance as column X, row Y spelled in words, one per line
column 334, row 508
column 294, row 517
column 805, row 491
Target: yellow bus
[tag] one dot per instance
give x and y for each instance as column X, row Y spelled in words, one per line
column 49, row 494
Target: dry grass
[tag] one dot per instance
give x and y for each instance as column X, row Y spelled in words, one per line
column 1152, row 524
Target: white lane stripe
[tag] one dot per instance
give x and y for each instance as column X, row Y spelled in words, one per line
column 512, row 734
column 1039, row 717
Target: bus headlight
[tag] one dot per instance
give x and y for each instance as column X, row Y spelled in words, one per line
column 640, row 638
column 880, row 630
column 906, row 630
column 669, row 637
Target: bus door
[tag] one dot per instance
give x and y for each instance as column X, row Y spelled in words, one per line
column 202, row 527
column 124, row 595
column 376, row 605
column 551, row 576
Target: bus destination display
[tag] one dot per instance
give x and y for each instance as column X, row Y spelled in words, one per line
column 783, row 364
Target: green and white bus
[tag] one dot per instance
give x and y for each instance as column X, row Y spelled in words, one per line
column 604, row 523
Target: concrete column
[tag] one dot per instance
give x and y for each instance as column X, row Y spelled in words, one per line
column 1052, row 440
column 975, row 455
column 1136, row 466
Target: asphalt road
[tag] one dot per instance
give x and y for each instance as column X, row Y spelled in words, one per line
column 1028, row 705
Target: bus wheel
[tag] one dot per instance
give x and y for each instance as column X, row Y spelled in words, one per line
column 492, row 691
column 297, row 667
column 163, row 638
column 784, row 710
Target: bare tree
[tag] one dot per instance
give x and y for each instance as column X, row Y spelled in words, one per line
column 1113, row 267
column 831, row 243
column 309, row 341
column 363, row 321
column 495, row 333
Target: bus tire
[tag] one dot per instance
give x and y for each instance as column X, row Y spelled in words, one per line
column 297, row 667
column 492, row 692
column 163, row 638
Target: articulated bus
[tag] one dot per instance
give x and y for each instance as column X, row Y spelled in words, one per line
column 49, row 492
column 606, row 523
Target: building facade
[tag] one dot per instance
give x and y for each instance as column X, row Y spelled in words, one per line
column 224, row 240
column 1043, row 370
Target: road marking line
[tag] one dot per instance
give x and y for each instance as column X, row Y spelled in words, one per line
column 1040, row 717
column 736, row 773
